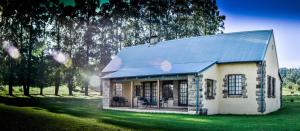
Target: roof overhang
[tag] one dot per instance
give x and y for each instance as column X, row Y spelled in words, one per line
column 154, row 71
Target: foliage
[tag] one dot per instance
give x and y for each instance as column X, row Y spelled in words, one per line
column 291, row 78
column 64, row 44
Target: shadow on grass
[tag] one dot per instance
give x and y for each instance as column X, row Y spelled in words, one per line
column 87, row 108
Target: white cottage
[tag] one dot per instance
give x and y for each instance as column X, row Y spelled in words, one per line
column 232, row 73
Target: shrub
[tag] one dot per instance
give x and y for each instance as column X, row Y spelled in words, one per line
column 292, row 100
column 2, row 88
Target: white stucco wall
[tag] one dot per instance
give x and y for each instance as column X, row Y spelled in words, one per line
column 228, row 105
column 242, row 105
column 211, row 104
column 272, row 69
column 239, row 105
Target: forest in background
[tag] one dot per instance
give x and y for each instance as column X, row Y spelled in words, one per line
column 291, row 79
column 47, row 43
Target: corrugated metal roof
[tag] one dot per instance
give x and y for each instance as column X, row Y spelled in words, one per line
column 189, row 53
column 164, row 69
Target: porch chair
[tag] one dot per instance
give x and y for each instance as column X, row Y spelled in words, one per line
column 144, row 101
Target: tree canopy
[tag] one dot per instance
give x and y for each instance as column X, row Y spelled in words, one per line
column 48, row 42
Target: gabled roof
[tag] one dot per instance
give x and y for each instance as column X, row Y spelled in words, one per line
column 189, row 55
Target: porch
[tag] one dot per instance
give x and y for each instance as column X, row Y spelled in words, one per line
column 149, row 95
column 153, row 110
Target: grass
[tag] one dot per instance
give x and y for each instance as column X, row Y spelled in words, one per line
column 73, row 113
column 48, row 91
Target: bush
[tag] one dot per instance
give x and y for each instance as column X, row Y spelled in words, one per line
column 292, row 100
column 2, row 88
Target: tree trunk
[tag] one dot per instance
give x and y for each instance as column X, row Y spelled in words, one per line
column 57, row 82
column 70, row 87
column 57, row 74
column 43, row 65
column 26, row 91
column 41, row 90
column 23, row 81
column 86, row 85
column 28, row 82
column 86, row 89
column 10, row 79
column 70, row 70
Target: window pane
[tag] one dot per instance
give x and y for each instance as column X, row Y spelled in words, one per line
column 235, row 84
column 183, row 94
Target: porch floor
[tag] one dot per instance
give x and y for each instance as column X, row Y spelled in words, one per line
column 152, row 110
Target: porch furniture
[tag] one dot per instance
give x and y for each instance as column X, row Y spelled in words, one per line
column 143, row 101
column 119, row 101
column 163, row 102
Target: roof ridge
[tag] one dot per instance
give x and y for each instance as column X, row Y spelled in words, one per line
column 220, row 34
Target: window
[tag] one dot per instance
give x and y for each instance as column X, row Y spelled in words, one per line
column 147, row 88
column 183, row 93
column 153, row 93
column 235, row 84
column 118, row 89
column 150, row 92
column 138, row 90
column 167, row 90
column 271, row 86
column 209, row 88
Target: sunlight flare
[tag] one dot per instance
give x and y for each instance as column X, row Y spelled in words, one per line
column 94, row 81
column 62, row 58
column 165, row 66
column 12, row 51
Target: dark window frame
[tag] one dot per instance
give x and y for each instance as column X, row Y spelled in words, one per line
column 183, row 93
column 235, row 84
column 152, row 96
column 138, row 90
column 271, row 86
column 167, row 89
column 210, row 90
column 269, row 79
column 118, row 92
column 274, row 86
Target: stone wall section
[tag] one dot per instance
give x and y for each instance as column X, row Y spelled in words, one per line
column 106, row 93
column 260, row 87
column 192, row 94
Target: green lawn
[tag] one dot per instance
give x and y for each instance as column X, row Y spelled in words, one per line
column 48, row 91
column 78, row 113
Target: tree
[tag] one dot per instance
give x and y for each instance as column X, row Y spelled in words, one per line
column 87, row 34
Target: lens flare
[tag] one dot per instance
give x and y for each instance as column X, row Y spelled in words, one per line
column 62, row 58
column 12, row 51
column 166, row 66
column 94, row 81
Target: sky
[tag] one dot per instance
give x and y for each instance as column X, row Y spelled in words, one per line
column 283, row 16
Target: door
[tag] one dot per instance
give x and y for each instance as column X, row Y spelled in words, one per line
column 150, row 92
column 167, row 90
column 183, row 93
